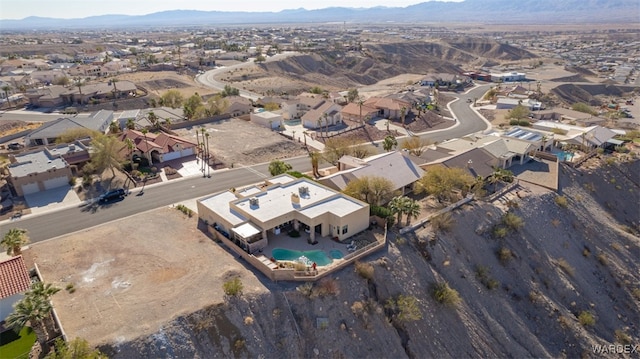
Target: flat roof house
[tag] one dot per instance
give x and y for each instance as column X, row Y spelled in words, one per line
column 45, row 169
column 248, row 216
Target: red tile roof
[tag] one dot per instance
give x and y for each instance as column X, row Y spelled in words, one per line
column 14, row 277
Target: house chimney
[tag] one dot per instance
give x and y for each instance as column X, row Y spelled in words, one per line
column 295, row 199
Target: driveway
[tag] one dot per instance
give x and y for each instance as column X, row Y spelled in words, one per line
column 52, row 200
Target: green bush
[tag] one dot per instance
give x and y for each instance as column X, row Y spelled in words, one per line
column 512, row 221
column 405, row 308
column 504, row 254
column 444, row 294
column 586, row 319
column 561, row 201
column 233, row 287
column 365, row 270
column 500, row 231
column 382, row 212
column 298, row 174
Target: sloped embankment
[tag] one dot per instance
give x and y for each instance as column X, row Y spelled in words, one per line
column 568, row 279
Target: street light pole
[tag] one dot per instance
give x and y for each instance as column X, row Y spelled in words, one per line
column 208, row 156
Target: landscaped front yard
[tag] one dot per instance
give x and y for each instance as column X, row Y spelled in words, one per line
column 17, row 345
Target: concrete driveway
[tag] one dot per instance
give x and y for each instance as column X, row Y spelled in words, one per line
column 191, row 168
column 52, row 199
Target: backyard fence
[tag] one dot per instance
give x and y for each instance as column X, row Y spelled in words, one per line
column 448, row 208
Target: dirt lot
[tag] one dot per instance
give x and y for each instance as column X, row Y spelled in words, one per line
column 134, row 275
column 158, row 83
column 239, row 142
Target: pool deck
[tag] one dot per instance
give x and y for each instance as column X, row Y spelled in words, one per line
column 283, row 240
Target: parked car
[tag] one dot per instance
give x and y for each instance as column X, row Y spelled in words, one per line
column 15, row 146
column 113, row 195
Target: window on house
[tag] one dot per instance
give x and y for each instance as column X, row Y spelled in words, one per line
column 345, row 229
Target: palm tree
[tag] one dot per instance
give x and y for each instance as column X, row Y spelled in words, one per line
column 397, row 206
column 326, row 122
column 131, row 124
column 360, row 103
column 403, row 113
column 78, row 82
column 315, row 162
column 153, row 119
column 130, row 146
column 14, row 240
column 6, row 89
column 412, row 210
column 115, row 90
column 114, row 127
column 146, row 144
column 32, row 310
column 43, row 290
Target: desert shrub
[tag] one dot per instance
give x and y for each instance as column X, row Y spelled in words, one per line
column 512, row 221
column 565, row 266
column 602, row 258
column 186, row 210
column 500, row 232
column 622, row 337
column 299, row 266
column 87, row 180
column 327, row 286
column 233, row 287
column 636, row 293
column 442, row 222
column 586, row 253
column 482, row 274
column 564, row 321
column 535, row 296
column 555, row 222
column 239, row 344
column 357, row 308
column 72, row 181
column 404, row 308
column 70, row 288
column 248, row 320
column 444, row 294
column 365, row 270
column 586, row 319
column 561, row 201
column 168, row 170
column 504, row 254
column 305, row 289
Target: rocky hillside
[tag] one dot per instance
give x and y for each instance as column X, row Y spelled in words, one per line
column 569, row 278
column 379, row 61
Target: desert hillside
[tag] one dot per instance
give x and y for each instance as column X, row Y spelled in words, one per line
column 337, row 70
column 569, row 278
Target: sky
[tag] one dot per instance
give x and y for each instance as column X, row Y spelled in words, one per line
column 72, row 9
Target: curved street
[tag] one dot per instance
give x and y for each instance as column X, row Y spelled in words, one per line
column 56, row 223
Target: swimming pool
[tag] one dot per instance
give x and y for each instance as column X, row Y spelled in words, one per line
column 317, row 256
column 564, row 156
column 336, row 254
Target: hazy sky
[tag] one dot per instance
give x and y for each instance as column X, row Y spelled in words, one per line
column 71, row 9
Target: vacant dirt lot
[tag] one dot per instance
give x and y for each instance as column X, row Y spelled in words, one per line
column 239, row 142
column 134, row 275
column 158, row 83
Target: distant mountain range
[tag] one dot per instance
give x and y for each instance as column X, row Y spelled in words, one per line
column 479, row 11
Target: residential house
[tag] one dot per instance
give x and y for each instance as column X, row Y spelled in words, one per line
column 268, row 119
column 45, row 169
column 238, row 106
column 248, row 216
column 585, row 137
column 390, row 108
column 50, row 131
column 49, row 96
column 358, row 113
column 16, row 281
column 508, row 77
column 507, row 103
column 477, row 162
column 505, row 150
column 540, row 140
column 396, row 166
column 158, row 147
column 324, row 114
column 48, row 77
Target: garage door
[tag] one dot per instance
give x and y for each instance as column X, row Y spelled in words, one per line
column 30, row 188
column 171, row 156
column 56, row 182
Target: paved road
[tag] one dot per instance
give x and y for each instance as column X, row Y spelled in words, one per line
column 54, row 224
column 208, row 78
column 73, row 219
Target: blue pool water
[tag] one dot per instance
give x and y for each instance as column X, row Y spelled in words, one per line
column 317, row 256
column 335, row 254
column 564, row 156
